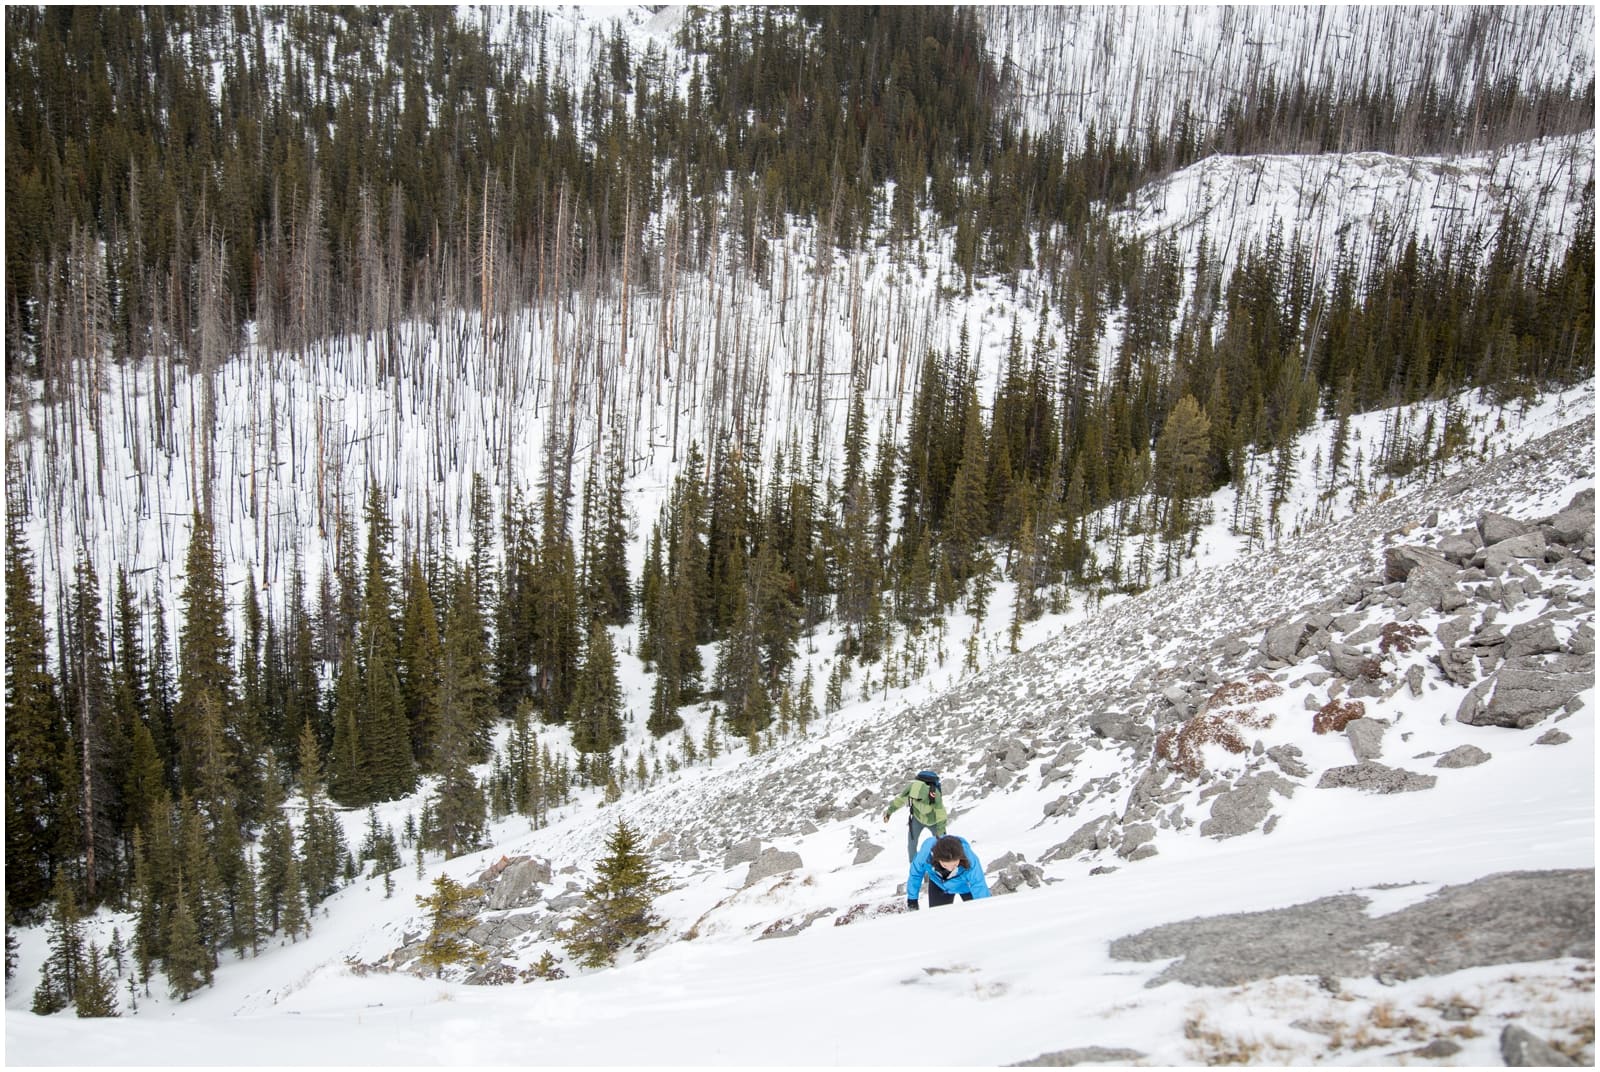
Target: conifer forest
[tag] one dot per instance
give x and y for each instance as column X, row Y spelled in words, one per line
column 379, row 379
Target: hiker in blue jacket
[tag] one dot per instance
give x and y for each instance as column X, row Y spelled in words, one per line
column 951, row 868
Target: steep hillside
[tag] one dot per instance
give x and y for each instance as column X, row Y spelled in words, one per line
column 1134, row 71
column 1081, row 711
column 1374, row 732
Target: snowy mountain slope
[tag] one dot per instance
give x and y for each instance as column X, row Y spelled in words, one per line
column 1031, row 973
column 1365, row 200
column 1128, row 69
column 1114, row 661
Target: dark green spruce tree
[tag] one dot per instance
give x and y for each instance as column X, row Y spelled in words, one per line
column 100, row 743
column 458, row 811
column 618, row 908
column 372, row 757
column 38, row 798
column 419, row 665
column 597, row 699
column 207, row 760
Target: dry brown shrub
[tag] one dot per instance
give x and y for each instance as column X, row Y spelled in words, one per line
column 1256, row 689
column 1230, row 709
column 1335, row 715
column 1387, row 1016
column 1213, row 1046
column 1397, row 637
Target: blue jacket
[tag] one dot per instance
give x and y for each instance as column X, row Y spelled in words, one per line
column 966, row 880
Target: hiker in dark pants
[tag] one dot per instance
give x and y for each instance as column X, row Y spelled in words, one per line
column 926, row 798
column 952, row 870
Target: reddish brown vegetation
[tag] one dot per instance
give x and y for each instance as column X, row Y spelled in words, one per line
column 1397, row 637
column 1336, row 714
column 1229, row 710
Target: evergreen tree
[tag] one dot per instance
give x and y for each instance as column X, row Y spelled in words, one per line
column 187, row 963
column 517, row 614
column 480, row 562
column 418, row 666
column 524, row 771
column 163, row 690
column 776, row 616
column 205, row 669
column 144, row 787
column 322, row 844
column 300, row 687
column 1181, row 466
column 37, row 752
column 347, row 776
column 597, row 698
column 652, row 585
column 457, row 813
column 155, row 866
column 128, row 675
column 201, row 890
column 617, row 909
column 277, row 857
column 464, row 693
column 100, row 744
column 293, row 916
column 458, row 808
column 97, row 986
column 606, row 585
column 967, row 521
column 252, row 712
column 451, row 916
column 385, row 737
column 236, row 888
column 556, row 633
column 61, row 979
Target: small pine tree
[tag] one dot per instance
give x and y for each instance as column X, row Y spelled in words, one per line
column 117, row 952
column 49, row 997
column 617, row 904
column 712, row 749
column 292, row 907
column 833, row 696
column 450, row 910
column 546, row 967
column 806, row 707
column 187, row 962
column 60, row 980
column 97, row 987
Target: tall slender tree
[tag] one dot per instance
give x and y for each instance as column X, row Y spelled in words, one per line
column 38, row 822
column 205, row 661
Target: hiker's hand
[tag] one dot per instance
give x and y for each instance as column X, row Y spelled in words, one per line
column 886, row 815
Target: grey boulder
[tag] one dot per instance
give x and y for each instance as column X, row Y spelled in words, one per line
column 772, row 862
column 1372, row 777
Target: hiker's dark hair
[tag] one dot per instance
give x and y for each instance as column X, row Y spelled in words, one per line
column 949, row 848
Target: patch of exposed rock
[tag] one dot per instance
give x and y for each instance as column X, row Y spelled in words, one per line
column 1500, row 919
